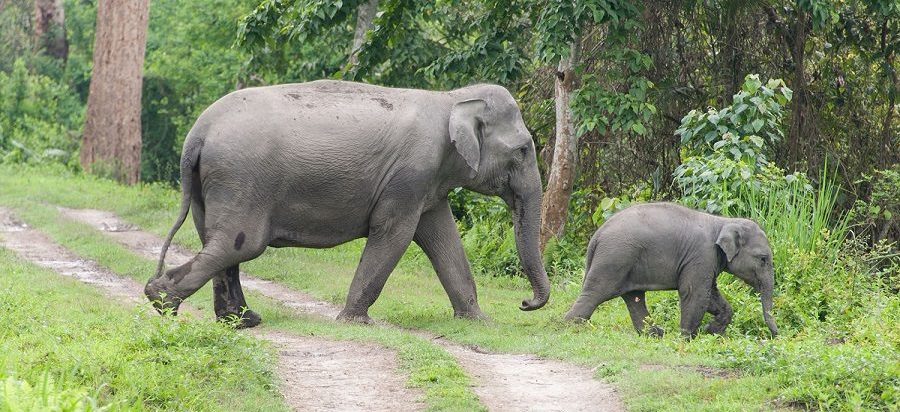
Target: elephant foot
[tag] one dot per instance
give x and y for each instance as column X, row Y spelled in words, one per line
column 577, row 320
column 472, row 314
column 716, row 329
column 163, row 301
column 655, row 331
column 240, row 320
column 355, row 317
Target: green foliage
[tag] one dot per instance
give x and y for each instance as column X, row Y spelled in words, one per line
column 725, row 152
column 40, row 119
column 882, row 211
column 753, row 120
column 561, row 22
column 189, row 64
column 45, row 395
column 608, row 111
column 608, row 206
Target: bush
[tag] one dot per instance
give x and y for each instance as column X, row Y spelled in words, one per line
column 725, row 152
column 40, row 119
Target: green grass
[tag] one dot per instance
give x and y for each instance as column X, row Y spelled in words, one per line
column 762, row 374
column 64, row 346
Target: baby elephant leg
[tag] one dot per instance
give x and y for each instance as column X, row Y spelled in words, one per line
column 721, row 310
column 637, row 308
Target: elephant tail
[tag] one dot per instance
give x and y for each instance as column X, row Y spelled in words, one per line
column 592, row 246
column 189, row 164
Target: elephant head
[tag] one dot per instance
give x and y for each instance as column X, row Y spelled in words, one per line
column 749, row 257
column 487, row 130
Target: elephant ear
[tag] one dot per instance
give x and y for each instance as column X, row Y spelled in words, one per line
column 730, row 240
column 466, row 120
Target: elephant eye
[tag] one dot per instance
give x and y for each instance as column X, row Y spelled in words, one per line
column 764, row 258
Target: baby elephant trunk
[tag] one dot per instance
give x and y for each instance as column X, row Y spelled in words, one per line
column 765, row 297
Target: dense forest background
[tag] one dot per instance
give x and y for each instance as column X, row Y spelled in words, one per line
column 633, row 71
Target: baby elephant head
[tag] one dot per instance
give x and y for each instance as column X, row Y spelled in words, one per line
column 749, row 257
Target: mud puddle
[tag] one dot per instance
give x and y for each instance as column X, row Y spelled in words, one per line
column 314, row 374
column 503, row 382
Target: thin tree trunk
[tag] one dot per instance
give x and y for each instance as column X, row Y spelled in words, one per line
column 888, row 152
column 365, row 17
column 50, row 28
column 555, row 207
column 112, row 129
column 799, row 110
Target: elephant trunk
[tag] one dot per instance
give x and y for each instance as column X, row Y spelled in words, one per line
column 526, row 213
column 765, row 297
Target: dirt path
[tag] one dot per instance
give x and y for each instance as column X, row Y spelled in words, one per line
column 315, row 374
column 504, row 382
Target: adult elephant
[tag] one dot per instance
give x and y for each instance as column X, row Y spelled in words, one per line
column 322, row 163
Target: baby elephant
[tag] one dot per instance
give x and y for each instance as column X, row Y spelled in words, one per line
column 663, row 246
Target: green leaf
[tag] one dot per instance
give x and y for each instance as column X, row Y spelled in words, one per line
column 757, row 124
column 638, row 128
column 607, row 203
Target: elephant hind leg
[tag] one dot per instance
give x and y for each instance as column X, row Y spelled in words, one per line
column 637, row 308
column 721, row 311
column 222, row 250
column 592, row 295
column 229, row 299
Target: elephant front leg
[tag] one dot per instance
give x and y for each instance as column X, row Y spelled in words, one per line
column 229, row 298
column 390, row 234
column 721, row 310
column 439, row 239
column 694, row 296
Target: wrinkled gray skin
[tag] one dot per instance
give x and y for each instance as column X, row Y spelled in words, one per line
column 663, row 246
column 322, row 163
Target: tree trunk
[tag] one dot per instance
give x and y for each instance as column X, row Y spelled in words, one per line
column 365, row 17
column 112, row 129
column 888, row 153
column 799, row 110
column 50, row 28
column 555, row 207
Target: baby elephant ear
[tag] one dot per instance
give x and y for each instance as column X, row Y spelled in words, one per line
column 730, row 240
column 466, row 120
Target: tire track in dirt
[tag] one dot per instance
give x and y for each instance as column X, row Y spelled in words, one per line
column 504, row 382
column 314, row 374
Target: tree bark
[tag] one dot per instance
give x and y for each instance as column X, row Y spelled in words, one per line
column 365, row 17
column 799, row 110
column 112, row 129
column 50, row 28
column 555, row 206
column 888, row 152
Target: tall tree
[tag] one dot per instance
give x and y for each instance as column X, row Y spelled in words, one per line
column 50, row 28
column 560, row 29
column 555, row 204
column 112, row 129
column 365, row 20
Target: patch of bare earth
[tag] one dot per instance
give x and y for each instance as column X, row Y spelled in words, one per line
column 315, row 374
column 503, row 382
